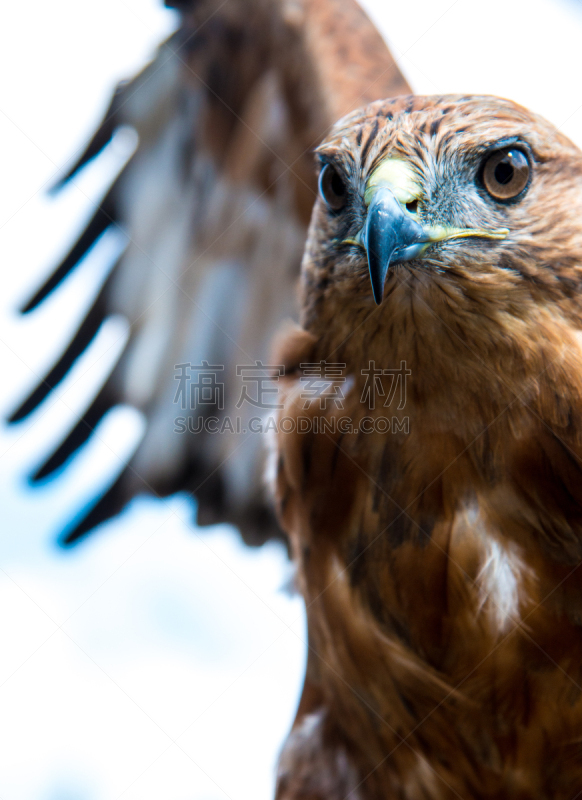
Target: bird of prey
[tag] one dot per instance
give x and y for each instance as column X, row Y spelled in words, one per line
column 438, row 529
column 215, row 204
column 427, row 463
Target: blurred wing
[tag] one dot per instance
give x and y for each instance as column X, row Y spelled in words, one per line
column 215, row 203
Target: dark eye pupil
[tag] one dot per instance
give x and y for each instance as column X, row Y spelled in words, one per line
column 337, row 185
column 503, row 172
column 332, row 188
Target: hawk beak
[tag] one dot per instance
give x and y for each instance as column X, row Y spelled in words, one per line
column 391, row 235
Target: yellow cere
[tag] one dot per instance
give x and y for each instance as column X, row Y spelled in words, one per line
column 398, row 176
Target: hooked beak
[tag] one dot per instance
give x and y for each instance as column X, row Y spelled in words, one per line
column 392, row 235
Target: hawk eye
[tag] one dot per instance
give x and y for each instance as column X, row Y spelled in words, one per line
column 505, row 173
column 332, row 188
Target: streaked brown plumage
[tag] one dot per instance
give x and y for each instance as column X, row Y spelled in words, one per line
column 441, row 566
column 215, row 203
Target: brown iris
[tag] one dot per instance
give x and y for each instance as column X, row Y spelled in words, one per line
column 332, row 188
column 506, row 173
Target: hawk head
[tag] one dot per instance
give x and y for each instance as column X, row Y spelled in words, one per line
column 473, row 196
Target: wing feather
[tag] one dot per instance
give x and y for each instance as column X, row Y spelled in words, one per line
column 85, row 334
column 104, row 216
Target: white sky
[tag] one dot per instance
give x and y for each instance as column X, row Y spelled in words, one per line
column 156, row 661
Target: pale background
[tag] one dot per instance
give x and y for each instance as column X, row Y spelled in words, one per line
column 156, row 660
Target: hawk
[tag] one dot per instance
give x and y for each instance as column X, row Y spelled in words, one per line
column 438, row 539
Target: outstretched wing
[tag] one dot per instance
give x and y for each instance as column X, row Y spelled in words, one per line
column 214, row 203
